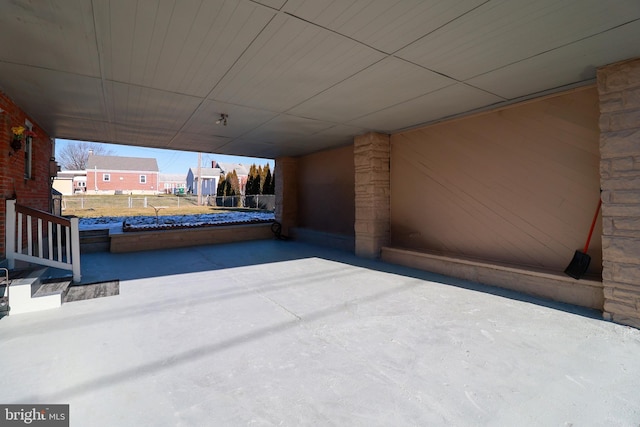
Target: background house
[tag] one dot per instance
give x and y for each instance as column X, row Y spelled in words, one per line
column 241, row 170
column 117, row 175
column 63, row 184
column 172, row 183
column 70, row 182
column 210, row 178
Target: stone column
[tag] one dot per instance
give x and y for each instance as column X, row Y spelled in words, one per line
column 372, row 184
column 619, row 93
column 286, row 173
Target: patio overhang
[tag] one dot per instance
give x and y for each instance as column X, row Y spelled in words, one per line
column 297, row 76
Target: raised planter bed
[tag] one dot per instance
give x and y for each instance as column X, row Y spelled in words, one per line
column 145, row 240
column 126, row 227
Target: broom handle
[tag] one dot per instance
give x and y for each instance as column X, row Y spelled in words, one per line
column 593, row 225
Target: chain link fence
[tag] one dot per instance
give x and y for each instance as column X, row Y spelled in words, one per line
column 258, row 201
column 263, row 202
column 134, row 201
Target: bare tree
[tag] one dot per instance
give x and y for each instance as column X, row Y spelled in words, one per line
column 74, row 155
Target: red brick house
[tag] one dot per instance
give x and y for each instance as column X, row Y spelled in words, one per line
column 26, row 162
column 122, row 175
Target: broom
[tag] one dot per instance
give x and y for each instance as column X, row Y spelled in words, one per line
column 581, row 260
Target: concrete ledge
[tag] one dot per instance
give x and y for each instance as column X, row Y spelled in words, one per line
column 167, row 239
column 557, row 287
column 321, row 238
column 94, row 241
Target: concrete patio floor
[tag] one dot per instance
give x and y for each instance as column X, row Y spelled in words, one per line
column 284, row 333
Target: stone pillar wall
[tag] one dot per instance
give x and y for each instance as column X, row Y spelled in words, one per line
column 286, row 188
column 372, row 190
column 619, row 92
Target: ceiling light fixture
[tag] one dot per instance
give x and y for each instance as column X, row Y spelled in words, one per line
column 223, row 119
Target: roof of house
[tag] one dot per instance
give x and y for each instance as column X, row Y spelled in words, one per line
column 206, row 172
column 68, row 174
column 230, row 167
column 172, row 177
column 122, row 163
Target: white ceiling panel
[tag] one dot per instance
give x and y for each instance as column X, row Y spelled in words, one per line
column 503, row 32
column 275, row 4
column 296, row 145
column 573, row 63
column 51, row 35
column 433, row 106
column 241, row 147
column 80, row 129
column 335, row 136
column 185, row 49
column 389, row 82
column 128, row 134
column 148, row 108
column 250, row 148
column 387, row 25
column 197, row 142
column 240, row 119
column 290, row 62
column 286, row 129
column 49, row 95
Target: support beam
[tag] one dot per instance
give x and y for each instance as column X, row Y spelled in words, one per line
column 619, row 93
column 372, row 191
column 286, row 189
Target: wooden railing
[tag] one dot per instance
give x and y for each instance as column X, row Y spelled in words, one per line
column 56, row 242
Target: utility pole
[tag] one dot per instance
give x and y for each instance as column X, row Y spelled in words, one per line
column 199, row 179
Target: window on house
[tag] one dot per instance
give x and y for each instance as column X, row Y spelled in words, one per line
column 143, row 179
column 28, row 153
column 106, row 177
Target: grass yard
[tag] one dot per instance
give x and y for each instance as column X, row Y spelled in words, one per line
column 139, row 211
column 124, row 205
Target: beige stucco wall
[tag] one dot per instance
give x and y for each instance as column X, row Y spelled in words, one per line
column 326, row 191
column 65, row 186
column 519, row 185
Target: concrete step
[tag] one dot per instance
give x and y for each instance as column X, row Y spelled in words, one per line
column 53, row 287
column 35, row 289
column 26, row 293
column 4, row 299
column 83, row 291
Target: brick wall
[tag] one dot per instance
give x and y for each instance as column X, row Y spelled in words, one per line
column 619, row 92
column 34, row 192
column 122, row 181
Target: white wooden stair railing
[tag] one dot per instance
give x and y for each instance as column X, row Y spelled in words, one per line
column 56, row 244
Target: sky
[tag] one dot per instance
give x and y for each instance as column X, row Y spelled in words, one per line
column 171, row 161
